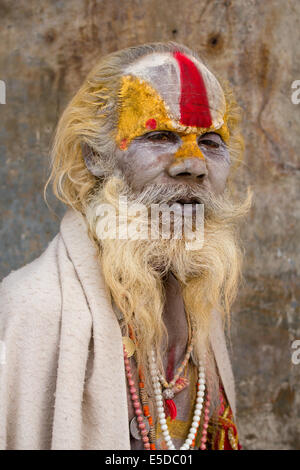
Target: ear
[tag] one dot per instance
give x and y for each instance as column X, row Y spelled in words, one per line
column 92, row 160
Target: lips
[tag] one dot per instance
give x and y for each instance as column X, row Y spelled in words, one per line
column 186, row 206
column 187, row 201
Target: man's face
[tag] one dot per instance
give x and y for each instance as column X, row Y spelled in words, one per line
column 153, row 158
column 172, row 126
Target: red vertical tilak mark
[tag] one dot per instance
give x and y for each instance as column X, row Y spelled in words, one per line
column 194, row 107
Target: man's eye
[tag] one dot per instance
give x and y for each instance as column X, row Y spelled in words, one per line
column 209, row 143
column 161, row 137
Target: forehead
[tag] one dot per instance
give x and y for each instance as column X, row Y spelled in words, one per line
column 174, row 91
column 191, row 93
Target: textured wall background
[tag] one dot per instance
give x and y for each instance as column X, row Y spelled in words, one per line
column 46, row 49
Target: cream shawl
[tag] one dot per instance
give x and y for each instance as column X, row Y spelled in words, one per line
column 62, row 381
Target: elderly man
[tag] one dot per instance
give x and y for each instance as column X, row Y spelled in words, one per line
column 115, row 341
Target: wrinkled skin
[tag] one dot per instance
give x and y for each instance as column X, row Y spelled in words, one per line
column 150, row 159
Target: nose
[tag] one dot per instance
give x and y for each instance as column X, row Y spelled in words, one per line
column 192, row 167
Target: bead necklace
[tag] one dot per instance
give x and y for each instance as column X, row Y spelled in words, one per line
column 146, row 413
column 205, row 423
column 143, row 393
column 146, row 410
column 136, row 403
column 177, row 384
column 160, row 405
column 171, row 384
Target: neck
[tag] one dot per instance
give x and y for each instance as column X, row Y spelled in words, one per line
column 175, row 320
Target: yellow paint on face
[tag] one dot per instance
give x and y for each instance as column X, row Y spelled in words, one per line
column 139, row 104
column 142, row 110
column 223, row 131
column 189, row 147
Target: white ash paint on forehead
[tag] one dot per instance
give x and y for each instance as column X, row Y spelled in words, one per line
column 161, row 71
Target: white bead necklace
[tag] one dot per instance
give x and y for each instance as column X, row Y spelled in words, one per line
column 160, row 405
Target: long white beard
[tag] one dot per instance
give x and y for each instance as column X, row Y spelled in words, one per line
column 134, row 269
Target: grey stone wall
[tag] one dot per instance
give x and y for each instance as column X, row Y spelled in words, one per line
column 46, row 49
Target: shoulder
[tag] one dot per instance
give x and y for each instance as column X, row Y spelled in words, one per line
column 32, row 292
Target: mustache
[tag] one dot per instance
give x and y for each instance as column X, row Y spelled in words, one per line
column 215, row 207
column 220, row 209
column 169, row 193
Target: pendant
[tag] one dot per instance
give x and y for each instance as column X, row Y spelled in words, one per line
column 134, row 428
column 168, row 393
column 129, row 346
